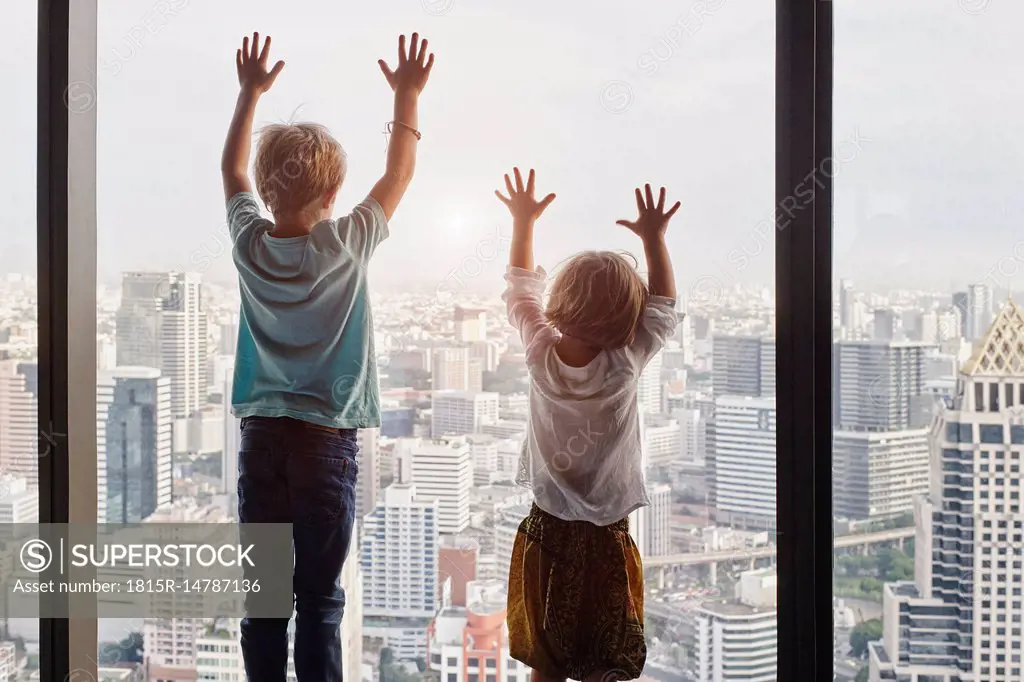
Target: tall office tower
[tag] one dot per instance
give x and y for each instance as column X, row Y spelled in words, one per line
column 18, row 502
column 686, row 338
column 138, row 444
column 399, row 557
column 937, row 326
column 104, row 399
column 368, row 481
column 483, row 451
column 442, row 470
column 693, row 429
column 648, row 390
column 352, row 623
column 469, row 644
column 161, row 323
column 979, row 311
column 847, row 299
column 458, row 413
column 959, row 301
column 450, row 369
column 488, row 353
column 470, row 324
column 738, row 639
column 877, row 475
column 742, row 478
column 884, row 324
column 22, row 442
column 228, row 338
column 476, row 374
column 878, row 385
column 960, row 617
column 662, row 441
column 30, row 370
column 170, row 647
column 232, row 444
column 743, row 365
column 658, row 521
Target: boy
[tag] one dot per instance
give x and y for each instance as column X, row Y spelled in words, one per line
column 305, row 373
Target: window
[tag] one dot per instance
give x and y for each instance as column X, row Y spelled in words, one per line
column 883, row 198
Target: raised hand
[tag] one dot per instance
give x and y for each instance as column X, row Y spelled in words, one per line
column 653, row 219
column 252, row 65
column 520, row 200
column 413, row 66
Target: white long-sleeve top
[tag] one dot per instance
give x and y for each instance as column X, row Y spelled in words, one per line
column 582, row 454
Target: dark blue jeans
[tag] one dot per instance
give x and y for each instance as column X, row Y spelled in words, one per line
column 291, row 471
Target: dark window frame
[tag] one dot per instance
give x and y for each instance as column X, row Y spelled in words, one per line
column 803, row 243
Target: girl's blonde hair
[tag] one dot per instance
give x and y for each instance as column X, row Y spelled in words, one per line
column 598, row 298
column 296, row 164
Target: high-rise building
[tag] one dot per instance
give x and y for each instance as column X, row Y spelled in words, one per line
column 162, row 323
column 741, row 458
column 662, row 441
column 368, row 481
column 960, row 618
column 649, row 386
column 483, row 451
column 442, row 470
column 743, row 365
column 847, row 299
column 399, row 549
column 693, row 430
column 470, row 324
column 470, row 643
column 979, row 311
column 452, row 369
column 658, row 521
column 232, row 444
column 877, row 474
column 22, row 442
column 737, row 639
column 878, row 385
column 18, row 502
column 457, row 562
column 884, row 324
column 459, row 413
column 138, row 452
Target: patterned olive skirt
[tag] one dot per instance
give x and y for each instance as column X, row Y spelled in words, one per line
column 576, row 599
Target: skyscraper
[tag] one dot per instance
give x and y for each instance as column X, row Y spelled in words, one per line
column 877, row 475
column 138, row 444
column 884, row 324
column 452, row 368
column 399, row 557
column 960, row 305
column 878, row 385
column 21, row 440
column 442, row 470
column 738, row 639
column 960, row 618
column 161, row 323
column 459, row 413
column 232, row 443
column 979, row 310
column 742, row 470
column 368, row 481
column 743, row 365
column 847, row 301
column 470, row 324
column 649, row 387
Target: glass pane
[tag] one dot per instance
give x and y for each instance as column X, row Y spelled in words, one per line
column 22, row 442
column 927, row 358
column 589, row 99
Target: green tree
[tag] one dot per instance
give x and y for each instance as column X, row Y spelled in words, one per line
column 862, row 675
column 868, row 631
column 387, row 656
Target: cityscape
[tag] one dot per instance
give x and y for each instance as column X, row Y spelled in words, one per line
column 426, row 600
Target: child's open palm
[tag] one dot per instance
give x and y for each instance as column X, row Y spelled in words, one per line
column 252, row 65
column 653, row 219
column 520, row 200
column 413, row 68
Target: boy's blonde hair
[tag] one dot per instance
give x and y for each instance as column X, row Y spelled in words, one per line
column 598, row 298
column 296, row 164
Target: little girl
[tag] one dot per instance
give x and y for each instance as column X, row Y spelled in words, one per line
column 576, row 594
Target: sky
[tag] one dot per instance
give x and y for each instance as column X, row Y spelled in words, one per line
column 599, row 101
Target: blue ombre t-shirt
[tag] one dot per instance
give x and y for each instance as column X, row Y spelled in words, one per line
column 305, row 334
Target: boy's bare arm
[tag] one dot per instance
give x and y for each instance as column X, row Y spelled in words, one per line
column 253, row 79
column 407, row 81
column 525, row 212
column 650, row 226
